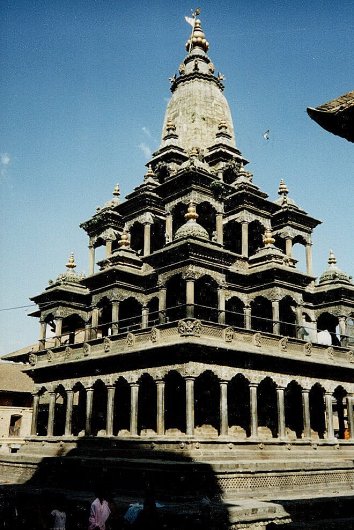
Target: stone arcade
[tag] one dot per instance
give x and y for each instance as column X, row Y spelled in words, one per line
column 197, row 342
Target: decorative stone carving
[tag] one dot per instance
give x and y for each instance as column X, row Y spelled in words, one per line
column 67, row 352
column 191, row 273
column 32, row 358
column 330, row 353
column 351, row 356
column 308, row 348
column 189, row 327
column 228, row 334
column 130, row 340
column 154, row 334
column 107, row 344
column 283, row 344
column 86, row 348
column 50, row 356
column 256, row 339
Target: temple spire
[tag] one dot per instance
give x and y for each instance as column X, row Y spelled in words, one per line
column 197, row 38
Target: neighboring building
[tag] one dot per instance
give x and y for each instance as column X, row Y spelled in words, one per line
column 198, row 339
column 336, row 116
column 16, row 390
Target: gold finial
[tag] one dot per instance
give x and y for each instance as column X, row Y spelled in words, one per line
column 332, row 260
column 197, row 38
column 124, row 240
column 268, row 239
column 191, row 214
column 71, row 262
column 283, row 189
column 116, row 191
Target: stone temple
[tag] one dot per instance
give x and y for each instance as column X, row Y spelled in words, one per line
column 196, row 356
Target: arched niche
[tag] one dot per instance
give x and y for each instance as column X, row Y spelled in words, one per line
column 262, row 314
column 130, row 311
column 328, row 324
column 43, row 412
column 267, row 408
column 99, row 408
column 158, row 234
column 147, row 406
column 175, row 403
column 121, row 417
column 104, row 317
column 137, row 237
column 175, row 298
column 207, row 404
column 206, row 299
column 60, row 411
column 317, row 411
column 294, row 421
column 255, row 237
column 207, row 218
column 234, row 314
column 287, row 316
column 238, row 397
column 79, row 410
column 233, row 236
column 73, row 329
column 153, row 307
column 340, row 413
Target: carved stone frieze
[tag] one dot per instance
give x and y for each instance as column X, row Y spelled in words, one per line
column 257, row 340
column 189, row 327
column 107, row 344
column 330, row 353
column 67, row 352
column 50, row 356
column 283, row 344
column 229, row 334
column 308, row 349
column 196, row 198
column 86, row 348
column 146, row 218
column 32, row 359
column 130, row 340
column 154, row 334
column 351, row 356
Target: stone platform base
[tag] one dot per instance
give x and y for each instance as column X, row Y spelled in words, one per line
column 241, row 485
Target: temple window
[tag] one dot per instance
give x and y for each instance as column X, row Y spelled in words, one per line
column 255, row 237
column 147, row 409
column 267, row 409
column 175, row 403
column 317, row 411
column 233, row 237
column 207, row 404
column 238, row 397
column 287, row 317
column 175, row 298
column 206, row 299
column 121, row 418
column 294, row 410
column 79, row 410
column 261, row 314
column 129, row 314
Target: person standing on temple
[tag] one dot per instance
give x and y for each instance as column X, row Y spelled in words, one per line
column 99, row 512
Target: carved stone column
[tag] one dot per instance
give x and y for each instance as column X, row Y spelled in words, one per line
column 169, row 226
column 42, row 334
column 89, row 403
column 350, row 413
column 144, row 316
column 275, row 316
column 91, row 258
column 219, row 228
column 306, row 413
column 87, row 330
column 160, row 420
column 254, row 410
column 329, row 415
column 134, row 394
column 299, row 322
column 342, row 324
column 35, row 407
column 221, row 305
column 162, row 304
column 147, row 239
column 69, row 412
column 244, row 235
column 94, row 322
column 289, row 247
column 110, row 409
column 247, row 314
column 190, row 297
column 190, row 406
column 281, row 412
column 309, row 259
column 115, row 317
column 58, row 330
column 108, row 247
column 224, row 416
column 51, row 414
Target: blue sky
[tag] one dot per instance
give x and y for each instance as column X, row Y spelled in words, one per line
column 84, row 90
